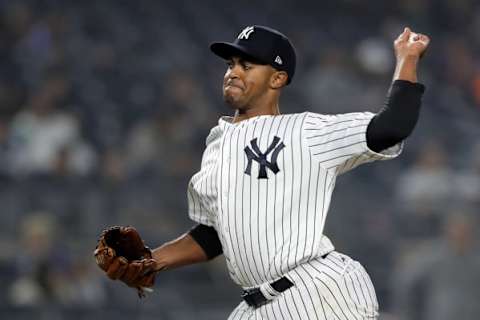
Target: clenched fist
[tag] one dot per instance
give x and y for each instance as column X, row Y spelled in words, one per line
column 410, row 44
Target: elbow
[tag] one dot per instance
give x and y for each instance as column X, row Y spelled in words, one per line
column 400, row 132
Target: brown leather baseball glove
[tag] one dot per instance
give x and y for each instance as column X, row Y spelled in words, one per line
column 122, row 254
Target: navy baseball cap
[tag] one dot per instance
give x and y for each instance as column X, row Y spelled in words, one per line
column 263, row 45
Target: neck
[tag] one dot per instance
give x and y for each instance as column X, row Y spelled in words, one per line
column 241, row 115
column 261, row 109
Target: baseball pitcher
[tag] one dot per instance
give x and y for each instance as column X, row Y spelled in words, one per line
column 263, row 191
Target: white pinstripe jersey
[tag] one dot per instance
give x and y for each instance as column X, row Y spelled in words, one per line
column 265, row 185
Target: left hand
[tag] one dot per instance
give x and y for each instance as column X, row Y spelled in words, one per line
column 121, row 253
column 410, row 44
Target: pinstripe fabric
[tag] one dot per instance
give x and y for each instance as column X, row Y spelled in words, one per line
column 339, row 141
column 270, row 225
column 334, row 288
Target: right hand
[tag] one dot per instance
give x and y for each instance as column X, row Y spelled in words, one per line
column 410, row 44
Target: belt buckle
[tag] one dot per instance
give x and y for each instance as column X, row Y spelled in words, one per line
column 254, row 297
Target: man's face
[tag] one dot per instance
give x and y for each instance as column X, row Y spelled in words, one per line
column 244, row 82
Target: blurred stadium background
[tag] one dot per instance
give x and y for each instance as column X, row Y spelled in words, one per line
column 104, row 107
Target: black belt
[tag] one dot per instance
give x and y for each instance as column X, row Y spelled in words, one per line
column 255, row 298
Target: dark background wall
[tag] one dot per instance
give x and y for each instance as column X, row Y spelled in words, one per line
column 104, row 108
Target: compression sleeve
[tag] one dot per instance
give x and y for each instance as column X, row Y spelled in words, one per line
column 207, row 239
column 398, row 117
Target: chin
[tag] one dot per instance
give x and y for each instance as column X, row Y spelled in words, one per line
column 232, row 102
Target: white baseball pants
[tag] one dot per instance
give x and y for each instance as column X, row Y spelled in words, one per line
column 334, row 288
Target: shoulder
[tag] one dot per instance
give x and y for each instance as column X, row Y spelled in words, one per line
column 316, row 120
column 293, row 117
column 217, row 131
column 213, row 135
column 319, row 119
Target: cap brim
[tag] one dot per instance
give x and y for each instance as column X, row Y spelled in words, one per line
column 226, row 50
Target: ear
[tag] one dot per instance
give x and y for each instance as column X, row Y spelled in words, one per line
column 278, row 79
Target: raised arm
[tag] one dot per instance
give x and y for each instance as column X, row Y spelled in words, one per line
column 409, row 48
column 399, row 116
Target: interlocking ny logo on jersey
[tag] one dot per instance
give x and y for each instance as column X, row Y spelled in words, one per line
column 246, row 33
column 257, row 155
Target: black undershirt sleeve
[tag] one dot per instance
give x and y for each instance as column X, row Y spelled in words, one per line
column 207, row 239
column 398, row 118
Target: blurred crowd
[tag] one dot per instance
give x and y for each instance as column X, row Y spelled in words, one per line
column 104, row 108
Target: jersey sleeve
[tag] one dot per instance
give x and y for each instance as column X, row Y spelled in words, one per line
column 340, row 141
column 198, row 191
column 196, row 210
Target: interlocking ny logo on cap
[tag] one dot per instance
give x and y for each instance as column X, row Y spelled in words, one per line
column 246, row 33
